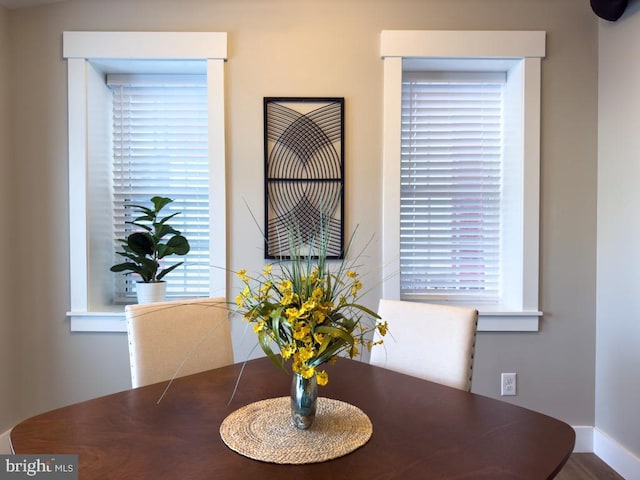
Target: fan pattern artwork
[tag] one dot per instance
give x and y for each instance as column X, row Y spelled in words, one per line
column 304, row 173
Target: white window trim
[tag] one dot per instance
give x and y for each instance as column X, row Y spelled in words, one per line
column 529, row 46
column 81, row 47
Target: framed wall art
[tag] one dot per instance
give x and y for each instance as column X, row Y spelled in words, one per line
column 304, row 174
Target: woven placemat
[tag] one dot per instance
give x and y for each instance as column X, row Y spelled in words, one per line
column 263, row 431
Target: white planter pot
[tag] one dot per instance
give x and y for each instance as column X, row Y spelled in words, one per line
column 151, row 292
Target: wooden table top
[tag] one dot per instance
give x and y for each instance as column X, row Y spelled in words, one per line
column 421, row 430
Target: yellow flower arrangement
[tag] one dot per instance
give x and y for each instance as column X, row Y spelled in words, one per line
column 308, row 312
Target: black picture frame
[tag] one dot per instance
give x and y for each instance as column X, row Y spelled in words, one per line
column 304, row 174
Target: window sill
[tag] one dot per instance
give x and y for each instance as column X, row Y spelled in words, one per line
column 487, row 321
column 97, row 321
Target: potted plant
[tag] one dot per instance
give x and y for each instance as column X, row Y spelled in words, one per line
column 144, row 249
column 309, row 311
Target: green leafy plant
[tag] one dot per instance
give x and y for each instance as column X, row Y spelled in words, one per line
column 144, row 249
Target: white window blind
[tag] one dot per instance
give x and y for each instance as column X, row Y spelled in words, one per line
column 160, row 147
column 451, row 186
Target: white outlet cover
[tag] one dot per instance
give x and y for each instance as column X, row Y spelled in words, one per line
column 508, row 384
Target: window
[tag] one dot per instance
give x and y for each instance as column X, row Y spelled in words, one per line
column 460, row 211
column 160, row 145
column 91, row 58
column 451, row 187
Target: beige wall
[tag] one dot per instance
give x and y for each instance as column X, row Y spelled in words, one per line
column 312, row 48
column 618, row 315
column 7, row 317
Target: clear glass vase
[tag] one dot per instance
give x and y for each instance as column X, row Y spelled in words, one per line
column 304, row 399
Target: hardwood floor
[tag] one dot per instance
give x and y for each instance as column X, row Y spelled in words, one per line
column 587, row 466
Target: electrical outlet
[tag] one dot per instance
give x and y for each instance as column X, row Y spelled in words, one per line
column 508, row 384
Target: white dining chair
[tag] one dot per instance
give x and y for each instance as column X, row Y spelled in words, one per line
column 177, row 338
column 5, row 444
column 433, row 342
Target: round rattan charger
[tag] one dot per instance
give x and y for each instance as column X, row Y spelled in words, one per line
column 263, row 431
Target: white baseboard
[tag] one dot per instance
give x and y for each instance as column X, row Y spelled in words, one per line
column 616, row 456
column 584, row 440
column 5, row 443
column 592, row 440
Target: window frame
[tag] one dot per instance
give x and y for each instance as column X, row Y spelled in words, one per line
column 79, row 49
column 527, row 48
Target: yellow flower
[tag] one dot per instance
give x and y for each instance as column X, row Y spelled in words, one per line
column 240, row 301
column 351, row 274
column 307, row 371
column 382, row 327
column 265, row 287
column 258, row 326
column 322, row 378
column 301, row 331
column 319, row 317
column 288, row 350
column 267, row 270
column 357, row 285
column 308, row 306
column 287, row 298
column 242, row 297
column 242, row 273
column 306, row 353
column 318, row 337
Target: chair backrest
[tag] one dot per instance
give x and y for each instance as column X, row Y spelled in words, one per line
column 186, row 337
column 433, row 342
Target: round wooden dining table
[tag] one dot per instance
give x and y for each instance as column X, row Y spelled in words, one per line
column 420, row 430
